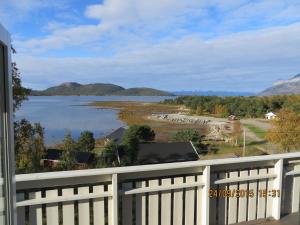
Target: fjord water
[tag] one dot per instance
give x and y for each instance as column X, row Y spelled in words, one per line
column 58, row 114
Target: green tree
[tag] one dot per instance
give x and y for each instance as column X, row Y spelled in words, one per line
column 141, row 132
column 29, row 146
column 86, row 141
column 68, row 161
column 187, row 135
column 108, row 157
column 285, row 131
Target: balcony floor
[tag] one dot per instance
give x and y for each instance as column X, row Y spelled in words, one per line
column 293, row 219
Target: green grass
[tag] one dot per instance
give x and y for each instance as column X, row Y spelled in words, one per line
column 256, row 130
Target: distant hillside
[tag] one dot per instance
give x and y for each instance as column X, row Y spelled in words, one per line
column 98, row 89
column 213, row 93
column 284, row 87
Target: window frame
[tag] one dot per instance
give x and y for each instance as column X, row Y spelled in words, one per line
column 6, row 104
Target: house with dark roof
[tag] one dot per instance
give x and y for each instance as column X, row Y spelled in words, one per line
column 53, row 156
column 115, row 136
column 165, row 152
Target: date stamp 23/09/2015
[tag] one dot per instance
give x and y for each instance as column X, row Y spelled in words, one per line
column 243, row 193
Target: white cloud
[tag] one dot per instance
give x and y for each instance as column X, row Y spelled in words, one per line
column 247, row 61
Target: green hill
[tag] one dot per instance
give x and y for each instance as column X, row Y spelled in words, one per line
column 97, row 89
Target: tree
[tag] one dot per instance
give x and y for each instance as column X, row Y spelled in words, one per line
column 200, row 110
column 285, row 131
column 68, row 161
column 220, row 110
column 129, row 145
column 29, row 146
column 19, row 92
column 86, row 141
column 109, row 155
column 237, row 131
column 141, row 132
column 186, row 135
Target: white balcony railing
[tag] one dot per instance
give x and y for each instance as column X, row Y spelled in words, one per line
column 165, row 194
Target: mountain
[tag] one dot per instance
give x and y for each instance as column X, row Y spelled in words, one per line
column 213, row 93
column 98, row 89
column 284, row 87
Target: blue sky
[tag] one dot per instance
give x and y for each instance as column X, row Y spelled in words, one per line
column 220, row 45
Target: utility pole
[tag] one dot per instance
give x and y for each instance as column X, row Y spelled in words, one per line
column 244, row 144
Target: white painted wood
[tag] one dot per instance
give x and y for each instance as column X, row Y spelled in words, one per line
column 153, row 204
column 277, row 185
column 162, row 188
column 52, row 209
column 140, row 207
column 115, row 191
column 21, row 210
column 232, row 207
column 243, row 186
column 68, row 208
column 246, row 178
column 83, row 207
column 110, row 206
column 261, row 206
column 178, row 203
column 126, row 205
column 296, row 191
column 35, row 212
column 252, row 206
column 189, row 202
column 222, row 203
column 270, row 199
column 205, row 195
column 212, row 203
column 166, row 203
column 98, row 206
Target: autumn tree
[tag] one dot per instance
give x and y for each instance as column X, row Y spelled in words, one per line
column 220, row 110
column 236, row 131
column 285, row 131
column 68, row 161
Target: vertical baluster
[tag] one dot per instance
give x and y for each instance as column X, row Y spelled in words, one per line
column 35, row 211
column 68, row 208
column 261, row 206
column 222, row 202
column 83, row 207
column 140, row 208
column 243, row 199
column 189, row 202
column 252, row 205
column 296, row 191
column 98, row 205
column 127, row 205
column 52, row 217
column 153, row 203
column 166, row 203
column 178, row 203
column 232, row 207
column 269, row 197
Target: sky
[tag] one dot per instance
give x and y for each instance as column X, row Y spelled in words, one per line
column 174, row 45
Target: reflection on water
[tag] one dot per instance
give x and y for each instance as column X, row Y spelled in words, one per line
column 57, row 114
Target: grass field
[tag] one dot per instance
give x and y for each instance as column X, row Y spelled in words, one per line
column 256, row 130
column 139, row 113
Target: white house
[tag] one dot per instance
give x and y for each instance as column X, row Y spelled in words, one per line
column 270, row 116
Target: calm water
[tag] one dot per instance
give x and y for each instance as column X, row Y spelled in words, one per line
column 57, row 114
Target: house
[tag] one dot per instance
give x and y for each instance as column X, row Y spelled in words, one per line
column 270, row 116
column 115, row 136
column 53, row 156
column 232, row 118
column 164, row 152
